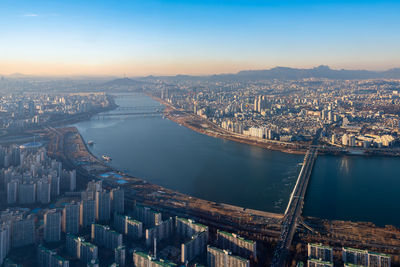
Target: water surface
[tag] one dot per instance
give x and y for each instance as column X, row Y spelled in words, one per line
column 165, row 153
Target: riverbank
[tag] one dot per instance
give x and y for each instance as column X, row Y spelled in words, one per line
column 257, row 225
column 205, row 126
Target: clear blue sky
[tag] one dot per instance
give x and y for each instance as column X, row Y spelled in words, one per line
column 168, row 37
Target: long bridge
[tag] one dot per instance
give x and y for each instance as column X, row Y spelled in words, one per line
column 294, row 209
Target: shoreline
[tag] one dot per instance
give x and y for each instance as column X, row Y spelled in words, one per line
column 204, row 126
column 257, row 225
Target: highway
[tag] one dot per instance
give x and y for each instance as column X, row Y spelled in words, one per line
column 294, row 210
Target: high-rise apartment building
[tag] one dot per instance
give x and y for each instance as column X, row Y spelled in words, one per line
column 104, row 236
column 103, row 206
column 118, row 200
column 52, row 226
column 223, row 258
column 141, row 259
column 320, row 252
column 238, row 245
column 50, row 258
column 87, row 212
column 70, row 218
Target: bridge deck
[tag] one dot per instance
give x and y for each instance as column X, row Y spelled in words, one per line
column 294, row 209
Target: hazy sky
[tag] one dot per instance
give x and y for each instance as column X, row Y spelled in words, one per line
column 196, row 37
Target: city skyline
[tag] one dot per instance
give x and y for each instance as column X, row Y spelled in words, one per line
column 195, row 37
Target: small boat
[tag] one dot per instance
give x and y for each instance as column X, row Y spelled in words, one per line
column 106, row 158
column 90, row 143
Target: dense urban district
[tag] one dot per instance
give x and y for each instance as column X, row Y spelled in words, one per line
column 62, row 206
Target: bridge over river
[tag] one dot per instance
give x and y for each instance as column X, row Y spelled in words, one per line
column 294, row 210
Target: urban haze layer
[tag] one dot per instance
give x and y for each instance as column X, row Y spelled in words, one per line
column 63, row 206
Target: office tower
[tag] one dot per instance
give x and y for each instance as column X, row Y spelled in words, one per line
column 70, row 218
column 52, row 226
column 50, row 258
column 27, row 193
column 194, row 247
column 320, row 252
column 120, row 256
column 148, row 216
column 43, row 191
column 223, row 258
column 355, row 256
column 238, row 245
column 141, row 259
column 87, row 212
column 319, row 263
column 378, row 260
column 22, row 231
column 128, row 226
column 161, row 231
column 78, row 248
column 104, row 236
column 103, row 206
column 5, row 241
column 117, row 200
column 12, row 192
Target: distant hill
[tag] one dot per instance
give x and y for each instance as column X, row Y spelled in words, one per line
column 318, row 72
column 123, row 82
column 285, row 73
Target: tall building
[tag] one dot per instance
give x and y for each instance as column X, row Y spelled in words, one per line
column 161, row 231
column 118, row 200
column 23, row 232
column 141, row 259
column 5, row 241
column 223, row 258
column 378, row 260
column 320, row 252
column 148, row 216
column 87, row 212
column 78, row 248
column 27, row 193
column 104, row 236
column 54, row 185
column 196, row 233
column 70, row 218
column 128, row 226
column 103, row 206
column 43, row 191
column 238, row 245
column 52, row 226
column 72, row 180
column 120, row 256
column 187, row 227
column 12, row 191
column 50, row 258
column 319, row 263
column 194, row 247
column 355, row 256
column 10, row 263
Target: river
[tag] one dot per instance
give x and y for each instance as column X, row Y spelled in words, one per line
column 165, row 153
